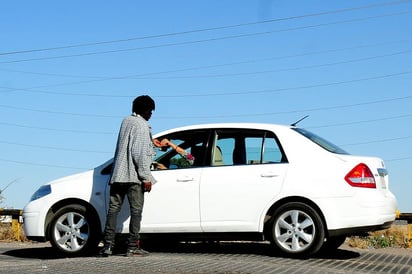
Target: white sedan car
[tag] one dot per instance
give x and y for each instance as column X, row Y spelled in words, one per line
column 254, row 182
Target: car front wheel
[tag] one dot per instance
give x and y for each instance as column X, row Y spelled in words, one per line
column 297, row 230
column 73, row 230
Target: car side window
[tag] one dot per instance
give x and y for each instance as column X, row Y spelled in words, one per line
column 232, row 147
column 272, row 152
column 222, row 151
column 193, row 142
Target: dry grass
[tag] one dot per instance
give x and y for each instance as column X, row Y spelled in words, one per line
column 7, row 234
column 395, row 236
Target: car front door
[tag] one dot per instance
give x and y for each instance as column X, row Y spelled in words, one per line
column 173, row 203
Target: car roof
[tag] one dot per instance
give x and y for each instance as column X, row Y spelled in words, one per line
column 226, row 125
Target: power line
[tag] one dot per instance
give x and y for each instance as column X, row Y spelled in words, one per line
column 141, row 75
column 40, row 164
column 234, row 93
column 364, row 121
column 289, row 88
column 54, row 129
column 398, row 159
column 208, row 29
column 61, row 113
column 379, row 141
column 55, row 148
column 204, row 40
column 293, row 111
column 285, row 69
column 258, row 114
column 219, row 116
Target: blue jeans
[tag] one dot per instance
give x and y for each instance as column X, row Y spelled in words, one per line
column 135, row 195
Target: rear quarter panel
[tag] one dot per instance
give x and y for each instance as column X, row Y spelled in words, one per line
column 319, row 176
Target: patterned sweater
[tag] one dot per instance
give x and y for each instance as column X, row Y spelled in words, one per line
column 134, row 152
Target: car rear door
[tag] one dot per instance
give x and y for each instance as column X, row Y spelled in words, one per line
column 236, row 191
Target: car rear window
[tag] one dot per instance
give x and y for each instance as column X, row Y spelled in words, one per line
column 320, row 141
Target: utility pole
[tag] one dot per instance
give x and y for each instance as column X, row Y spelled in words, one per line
column 2, row 190
column 9, row 184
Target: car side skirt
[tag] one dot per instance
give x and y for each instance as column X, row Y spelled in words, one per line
column 354, row 231
column 39, row 239
column 209, row 236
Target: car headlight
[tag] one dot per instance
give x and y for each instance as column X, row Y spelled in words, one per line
column 41, row 192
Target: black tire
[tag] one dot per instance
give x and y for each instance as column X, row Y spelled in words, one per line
column 297, row 230
column 74, row 231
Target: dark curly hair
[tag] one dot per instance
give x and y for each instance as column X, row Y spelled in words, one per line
column 143, row 104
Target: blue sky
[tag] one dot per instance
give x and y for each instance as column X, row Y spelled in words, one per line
column 70, row 69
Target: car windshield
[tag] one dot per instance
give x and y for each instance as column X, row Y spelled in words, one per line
column 320, row 141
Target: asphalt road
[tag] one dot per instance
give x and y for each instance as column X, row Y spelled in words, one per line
column 224, row 257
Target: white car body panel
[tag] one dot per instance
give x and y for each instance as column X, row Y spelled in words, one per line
column 77, row 187
column 236, row 198
column 179, row 210
column 253, row 188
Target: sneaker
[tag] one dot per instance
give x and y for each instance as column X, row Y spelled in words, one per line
column 107, row 250
column 136, row 251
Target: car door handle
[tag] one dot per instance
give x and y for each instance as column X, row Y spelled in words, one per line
column 185, row 179
column 268, row 175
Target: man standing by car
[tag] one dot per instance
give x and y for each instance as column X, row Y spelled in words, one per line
column 131, row 175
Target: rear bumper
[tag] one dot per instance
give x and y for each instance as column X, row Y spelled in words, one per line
column 356, row 215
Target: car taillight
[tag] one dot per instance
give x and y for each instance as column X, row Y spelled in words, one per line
column 361, row 176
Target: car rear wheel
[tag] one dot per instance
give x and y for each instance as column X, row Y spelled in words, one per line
column 297, row 230
column 73, row 231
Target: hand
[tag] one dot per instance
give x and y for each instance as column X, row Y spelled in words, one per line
column 147, row 186
column 157, row 143
column 165, row 143
column 159, row 166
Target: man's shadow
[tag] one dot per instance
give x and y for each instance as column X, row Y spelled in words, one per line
column 43, row 253
column 251, row 248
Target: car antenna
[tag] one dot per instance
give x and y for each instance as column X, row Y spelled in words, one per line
column 298, row 121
